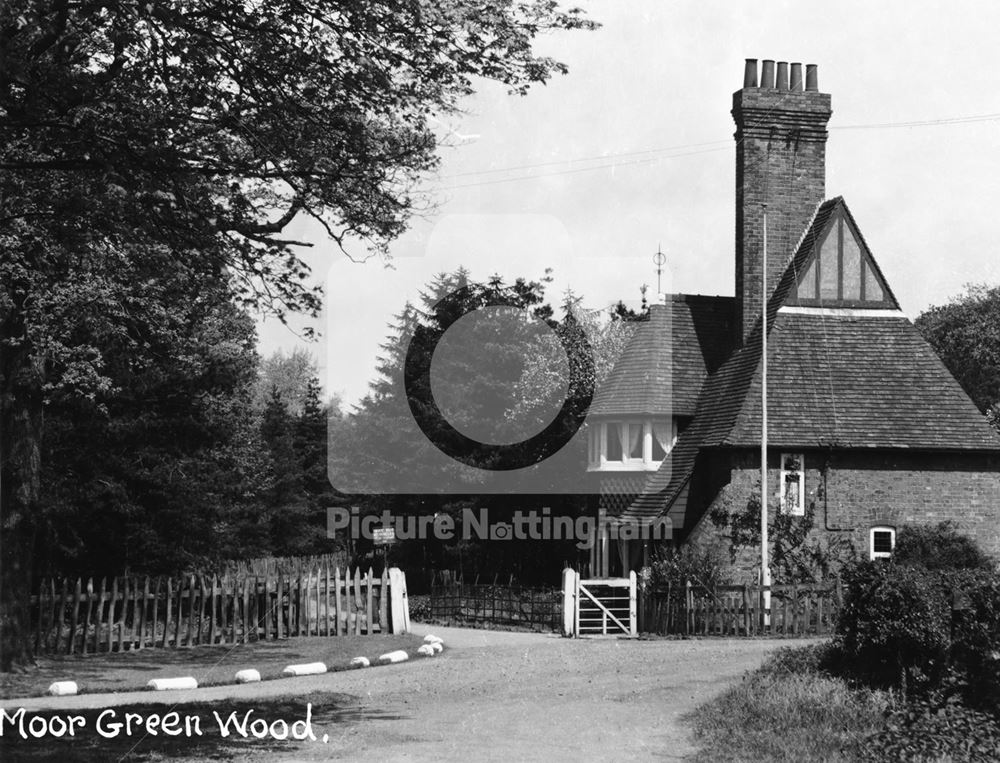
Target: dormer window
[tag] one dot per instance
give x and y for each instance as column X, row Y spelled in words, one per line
column 841, row 273
column 630, row 444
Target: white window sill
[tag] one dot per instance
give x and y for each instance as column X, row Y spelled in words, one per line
column 618, row 466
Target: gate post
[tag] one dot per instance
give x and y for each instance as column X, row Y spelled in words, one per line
column 570, row 576
column 400, row 605
column 633, row 631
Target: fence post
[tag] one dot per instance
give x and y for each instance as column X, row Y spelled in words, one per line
column 569, row 600
column 688, row 606
column 400, row 603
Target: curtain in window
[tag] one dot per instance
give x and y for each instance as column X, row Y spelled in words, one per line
column 663, row 431
column 635, row 440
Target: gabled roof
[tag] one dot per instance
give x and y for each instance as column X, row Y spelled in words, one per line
column 666, row 361
column 839, row 379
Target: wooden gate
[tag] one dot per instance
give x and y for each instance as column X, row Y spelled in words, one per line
column 599, row 606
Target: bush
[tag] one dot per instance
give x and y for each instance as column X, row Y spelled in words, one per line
column 933, row 632
column 895, row 625
column 701, row 565
column 975, row 650
column 940, row 547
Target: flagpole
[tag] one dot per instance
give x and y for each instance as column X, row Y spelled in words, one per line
column 765, row 570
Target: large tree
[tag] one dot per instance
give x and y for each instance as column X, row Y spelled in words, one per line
column 965, row 333
column 154, row 137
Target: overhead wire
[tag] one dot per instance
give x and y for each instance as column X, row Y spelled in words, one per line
column 701, row 148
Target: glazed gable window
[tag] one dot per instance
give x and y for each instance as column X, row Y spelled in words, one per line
column 630, row 445
column 841, row 273
column 793, row 481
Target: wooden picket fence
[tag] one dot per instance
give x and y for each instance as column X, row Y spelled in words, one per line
column 78, row 617
column 795, row 610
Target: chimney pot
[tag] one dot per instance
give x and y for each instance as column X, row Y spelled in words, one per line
column 812, row 80
column 767, row 74
column 782, row 83
column 750, row 73
column 796, row 83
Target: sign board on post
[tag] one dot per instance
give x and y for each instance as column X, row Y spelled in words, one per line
column 383, row 536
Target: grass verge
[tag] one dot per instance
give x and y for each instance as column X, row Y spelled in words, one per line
column 210, row 665
column 782, row 714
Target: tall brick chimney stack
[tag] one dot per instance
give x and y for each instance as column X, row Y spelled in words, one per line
column 781, row 161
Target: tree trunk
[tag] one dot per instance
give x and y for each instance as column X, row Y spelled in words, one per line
column 20, row 466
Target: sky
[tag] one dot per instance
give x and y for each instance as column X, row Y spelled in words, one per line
column 633, row 150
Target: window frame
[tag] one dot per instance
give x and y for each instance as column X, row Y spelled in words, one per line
column 872, row 553
column 836, row 227
column 597, row 445
column 800, row 509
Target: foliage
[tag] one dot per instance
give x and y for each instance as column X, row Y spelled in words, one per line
column 934, row 633
column 160, row 474
column 144, row 145
column 937, row 547
column 895, row 624
column 927, row 731
column 539, row 387
column 290, row 374
column 701, row 565
column 298, row 491
column 796, row 555
column 965, row 333
column 379, row 436
column 209, row 116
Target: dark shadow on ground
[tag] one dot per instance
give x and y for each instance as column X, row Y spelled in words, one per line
column 329, row 710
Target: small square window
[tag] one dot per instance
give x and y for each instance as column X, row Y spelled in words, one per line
column 881, row 542
column 793, row 484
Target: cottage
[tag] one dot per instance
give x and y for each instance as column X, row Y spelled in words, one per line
column 867, row 429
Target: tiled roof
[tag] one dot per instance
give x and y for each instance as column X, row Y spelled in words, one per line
column 657, row 376
column 858, row 382
column 844, row 380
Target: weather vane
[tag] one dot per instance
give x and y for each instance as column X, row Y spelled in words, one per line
column 659, row 258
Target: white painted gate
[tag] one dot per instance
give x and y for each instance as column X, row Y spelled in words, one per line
column 599, row 606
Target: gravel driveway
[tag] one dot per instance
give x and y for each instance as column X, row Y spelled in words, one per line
column 504, row 696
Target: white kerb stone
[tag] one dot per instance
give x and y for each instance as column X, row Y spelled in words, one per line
column 170, row 684
column 248, row 676
column 398, row 656
column 307, row 669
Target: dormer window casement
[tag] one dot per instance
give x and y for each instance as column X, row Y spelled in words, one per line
column 841, row 272
column 630, row 444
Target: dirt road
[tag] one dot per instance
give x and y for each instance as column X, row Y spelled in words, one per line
column 504, row 696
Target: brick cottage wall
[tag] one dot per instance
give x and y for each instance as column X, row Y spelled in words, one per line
column 851, row 492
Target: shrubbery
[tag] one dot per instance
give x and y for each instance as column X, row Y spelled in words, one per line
column 938, row 547
column 895, row 624
column 933, row 633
